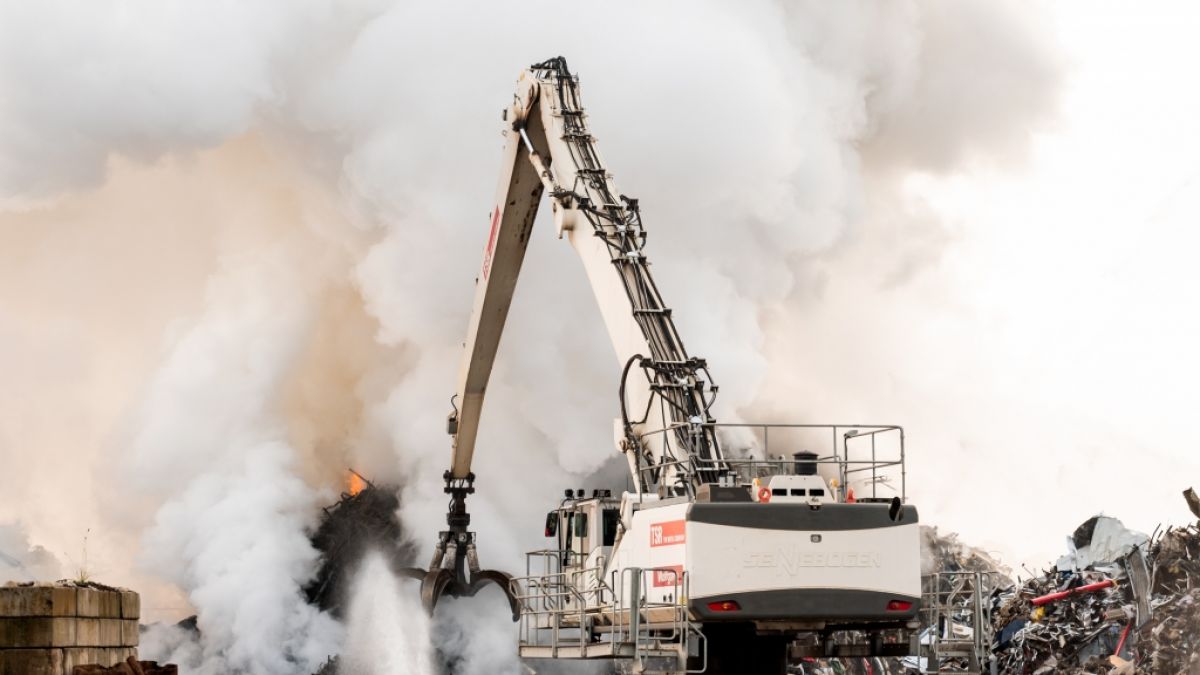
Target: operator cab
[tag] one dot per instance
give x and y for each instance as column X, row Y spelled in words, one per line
column 584, row 529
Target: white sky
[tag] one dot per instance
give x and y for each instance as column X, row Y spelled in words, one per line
column 1081, row 279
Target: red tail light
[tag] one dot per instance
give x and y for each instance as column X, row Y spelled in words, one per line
column 899, row 606
column 724, row 606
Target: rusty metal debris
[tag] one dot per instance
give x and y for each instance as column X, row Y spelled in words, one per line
column 1193, row 501
column 362, row 520
column 1120, row 602
column 1170, row 639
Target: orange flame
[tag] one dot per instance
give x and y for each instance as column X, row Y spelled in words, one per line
column 355, row 483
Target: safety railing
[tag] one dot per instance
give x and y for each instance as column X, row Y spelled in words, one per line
column 577, row 613
column 555, row 606
column 956, row 613
column 872, row 455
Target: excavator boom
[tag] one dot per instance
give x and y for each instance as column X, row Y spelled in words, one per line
column 550, row 150
column 709, row 563
column 665, row 430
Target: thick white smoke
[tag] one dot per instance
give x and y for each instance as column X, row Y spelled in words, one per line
column 21, row 560
column 386, row 637
column 239, row 242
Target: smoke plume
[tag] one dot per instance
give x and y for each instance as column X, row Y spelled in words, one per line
column 21, row 560
column 237, row 244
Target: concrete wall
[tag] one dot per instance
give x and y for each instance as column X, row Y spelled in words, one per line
column 49, row 629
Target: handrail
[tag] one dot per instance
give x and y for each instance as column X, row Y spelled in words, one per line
column 958, row 598
column 850, row 448
column 548, row 598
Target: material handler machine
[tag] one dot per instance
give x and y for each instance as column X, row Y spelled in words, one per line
column 725, row 555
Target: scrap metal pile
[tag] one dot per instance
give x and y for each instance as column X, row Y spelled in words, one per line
column 1119, row 602
column 362, row 521
column 1171, row 639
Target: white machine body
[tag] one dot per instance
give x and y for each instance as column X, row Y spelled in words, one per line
column 700, row 537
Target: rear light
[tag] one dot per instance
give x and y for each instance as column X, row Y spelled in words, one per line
column 899, row 606
column 724, row 606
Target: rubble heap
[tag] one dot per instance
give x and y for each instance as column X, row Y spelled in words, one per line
column 357, row 523
column 1119, row 602
column 1170, row 641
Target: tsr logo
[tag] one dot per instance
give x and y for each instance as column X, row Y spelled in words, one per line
column 668, row 533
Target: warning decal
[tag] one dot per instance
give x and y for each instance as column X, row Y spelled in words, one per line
column 669, row 533
column 491, row 245
column 671, row 575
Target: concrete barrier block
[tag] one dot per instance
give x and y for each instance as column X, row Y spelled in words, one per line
column 37, row 601
column 87, row 633
column 110, row 633
column 88, row 602
column 129, row 634
column 110, row 605
column 38, row 632
column 79, row 656
column 105, row 633
column 131, row 605
column 102, row 656
column 31, row 662
column 94, row 603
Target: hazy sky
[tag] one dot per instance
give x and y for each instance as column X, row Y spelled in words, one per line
column 1080, row 272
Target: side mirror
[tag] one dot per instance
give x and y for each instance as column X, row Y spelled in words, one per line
column 896, row 510
column 551, row 523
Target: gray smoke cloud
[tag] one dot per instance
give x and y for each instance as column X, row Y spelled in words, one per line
column 238, row 244
column 21, row 559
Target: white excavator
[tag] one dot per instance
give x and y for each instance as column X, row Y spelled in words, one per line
column 724, row 554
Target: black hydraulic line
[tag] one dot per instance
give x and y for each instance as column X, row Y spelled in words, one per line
column 684, row 384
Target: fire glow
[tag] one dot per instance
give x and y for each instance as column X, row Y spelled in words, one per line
column 354, row 482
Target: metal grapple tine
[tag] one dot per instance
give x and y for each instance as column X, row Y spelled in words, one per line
column 454, row 569
column 434, row 585
column 504, row 581
column 412, row 573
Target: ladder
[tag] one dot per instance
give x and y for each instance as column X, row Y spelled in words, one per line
column 957, row 616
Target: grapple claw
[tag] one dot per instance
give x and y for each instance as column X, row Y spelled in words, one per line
column 504, row 581
column 434, row 585
column 412, row 573
column 454, row 570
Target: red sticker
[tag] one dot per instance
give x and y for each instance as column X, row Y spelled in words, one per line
column 669, row 533
column 491, row 245
column 670, row 575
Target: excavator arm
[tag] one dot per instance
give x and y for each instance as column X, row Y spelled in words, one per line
column 665, row 429
column 550, row 150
